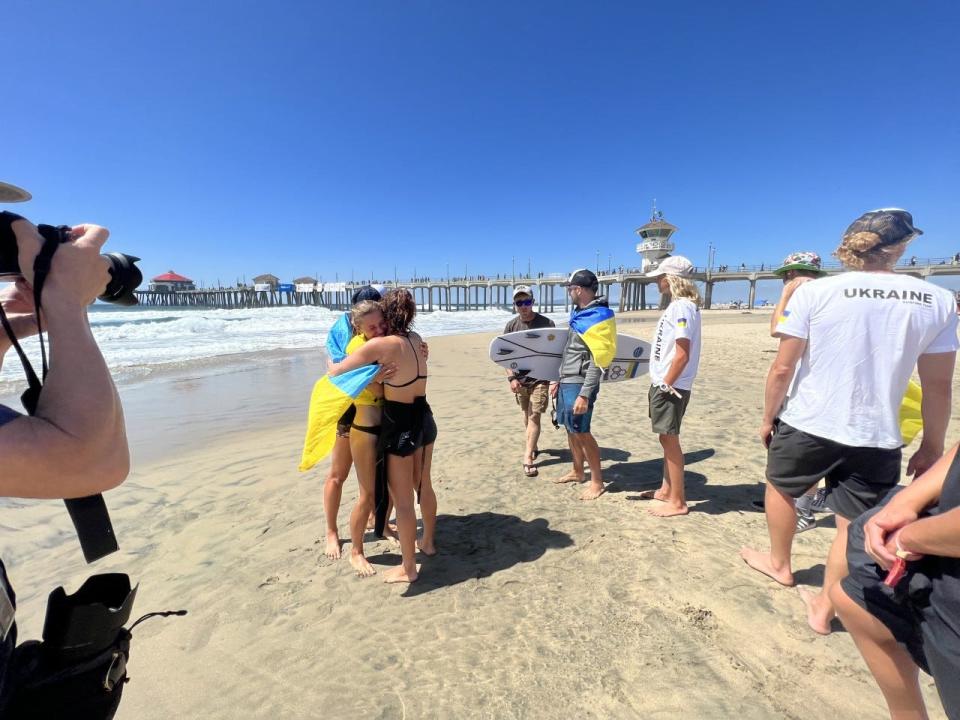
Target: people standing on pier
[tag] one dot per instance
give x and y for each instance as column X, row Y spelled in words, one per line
column 673, row 368
column 848, row 345
column 589, row 350
column 531, row 395
column 407, row 432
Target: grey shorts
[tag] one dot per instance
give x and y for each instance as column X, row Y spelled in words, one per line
column 857, row 478
column 666, row 410
column 910, row 612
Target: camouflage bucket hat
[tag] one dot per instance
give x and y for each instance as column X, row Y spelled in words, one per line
column 808, row 261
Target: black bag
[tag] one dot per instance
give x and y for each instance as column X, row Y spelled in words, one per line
column 79, row 669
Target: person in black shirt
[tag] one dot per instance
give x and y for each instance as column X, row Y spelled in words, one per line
column 915, row 623
column 532, row 395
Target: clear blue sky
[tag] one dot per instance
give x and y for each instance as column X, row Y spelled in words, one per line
column 223, row 139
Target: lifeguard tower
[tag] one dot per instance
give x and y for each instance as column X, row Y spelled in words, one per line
column 655, row 243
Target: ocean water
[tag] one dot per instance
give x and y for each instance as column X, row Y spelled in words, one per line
column 138, row 342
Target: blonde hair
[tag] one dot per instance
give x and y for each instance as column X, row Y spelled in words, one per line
column 680, row 287
column 860, row 249
column 361, row 310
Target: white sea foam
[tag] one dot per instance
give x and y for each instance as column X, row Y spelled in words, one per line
column 137, row 341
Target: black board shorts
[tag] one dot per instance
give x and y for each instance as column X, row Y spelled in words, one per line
column 857, row 478
column 910, row 611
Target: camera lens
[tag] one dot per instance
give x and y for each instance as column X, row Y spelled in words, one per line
column 125, row 277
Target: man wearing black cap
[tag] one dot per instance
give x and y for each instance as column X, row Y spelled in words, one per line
column 579, row 385
column 852, row 341
column 531, row 394
column 75, row 444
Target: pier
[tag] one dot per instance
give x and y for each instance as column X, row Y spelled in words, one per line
column 480, row 293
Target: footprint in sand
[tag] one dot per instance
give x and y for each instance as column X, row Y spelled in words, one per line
column 272, row 580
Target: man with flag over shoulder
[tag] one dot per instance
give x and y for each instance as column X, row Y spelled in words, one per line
column 589, row 351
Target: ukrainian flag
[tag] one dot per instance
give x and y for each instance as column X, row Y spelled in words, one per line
column 598, row 328
column 333, row 395
column 911, row 421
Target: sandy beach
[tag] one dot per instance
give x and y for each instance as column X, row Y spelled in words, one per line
column 537, row 606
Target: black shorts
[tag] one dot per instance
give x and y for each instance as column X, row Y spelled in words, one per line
column 345, row 421
column 857, row 478
column 907, row 612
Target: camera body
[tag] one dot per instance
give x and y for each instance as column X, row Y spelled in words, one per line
column 125, row 276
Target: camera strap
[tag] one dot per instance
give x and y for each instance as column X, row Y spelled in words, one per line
column 90, row 516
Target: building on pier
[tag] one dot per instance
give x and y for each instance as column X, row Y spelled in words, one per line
column 171, row 282
column 265, row 283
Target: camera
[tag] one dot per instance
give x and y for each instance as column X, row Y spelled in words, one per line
column 125, row 276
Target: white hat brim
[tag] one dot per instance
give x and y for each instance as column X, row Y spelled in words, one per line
column 12, row 194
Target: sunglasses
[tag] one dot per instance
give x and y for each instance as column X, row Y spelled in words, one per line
column 523, row 303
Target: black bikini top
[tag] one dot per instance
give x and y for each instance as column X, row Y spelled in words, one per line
column 418, row 377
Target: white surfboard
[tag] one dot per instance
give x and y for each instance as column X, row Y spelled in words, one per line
column 537, row 354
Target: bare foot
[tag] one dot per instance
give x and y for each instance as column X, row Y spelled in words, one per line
column 817, row 618
column 654, row 495
column 427, row 548
column 361, row 565
column 371, row 521
column 760, row 561
column 569, row 478
column 333, row 545
column 669, row 510
column 399, row 575
column 390, row 534
column 592, row 492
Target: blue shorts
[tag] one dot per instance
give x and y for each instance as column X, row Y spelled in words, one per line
column 567, row 395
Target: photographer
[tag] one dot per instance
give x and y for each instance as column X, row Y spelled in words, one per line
column 75, row 444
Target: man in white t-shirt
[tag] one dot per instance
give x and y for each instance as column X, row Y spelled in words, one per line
column 857, row 338
column 673, row 367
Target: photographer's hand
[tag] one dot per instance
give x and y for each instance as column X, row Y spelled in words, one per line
column 17, row 301
column 75, row 445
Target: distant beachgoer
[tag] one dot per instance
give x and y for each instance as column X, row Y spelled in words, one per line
column 532, row 395
column 590, row 347
column 673, row 368
column 856, row 338
column 916, row 623
column 407, row 432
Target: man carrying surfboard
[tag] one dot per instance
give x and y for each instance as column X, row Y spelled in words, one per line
column 531, row 394
column 673, row 368
column 589, row 350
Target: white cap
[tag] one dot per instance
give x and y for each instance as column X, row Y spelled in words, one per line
column 11, row 193
column 522, row 290
column 673, row 265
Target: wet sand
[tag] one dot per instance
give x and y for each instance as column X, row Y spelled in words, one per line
column 537, row 606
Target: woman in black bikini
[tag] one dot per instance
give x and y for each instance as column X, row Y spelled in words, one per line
column 407, row 431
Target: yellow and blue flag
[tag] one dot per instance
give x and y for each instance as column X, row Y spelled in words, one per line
column 332, row 396
column 598, row 328
column 911, row 420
